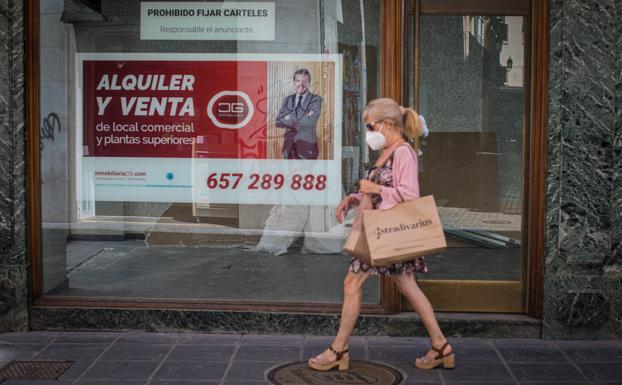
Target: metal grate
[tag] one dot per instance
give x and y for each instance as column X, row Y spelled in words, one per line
column 34, row 370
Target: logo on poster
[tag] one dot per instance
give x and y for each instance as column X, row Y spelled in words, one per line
column 230, row 109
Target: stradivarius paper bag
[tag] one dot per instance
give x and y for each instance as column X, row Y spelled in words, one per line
column 404, row 232
column 356, row 244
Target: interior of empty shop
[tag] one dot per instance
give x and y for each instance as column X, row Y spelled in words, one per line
column 137, row 246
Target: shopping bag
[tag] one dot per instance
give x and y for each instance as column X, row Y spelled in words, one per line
column 404, row 232
column 356, row 243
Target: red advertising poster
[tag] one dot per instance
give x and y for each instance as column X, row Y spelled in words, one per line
column 209, row 128
column 149, row 108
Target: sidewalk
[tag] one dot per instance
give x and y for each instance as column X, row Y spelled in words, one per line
column 128, row 358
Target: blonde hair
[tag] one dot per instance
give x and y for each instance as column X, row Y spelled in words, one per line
column 404, row 118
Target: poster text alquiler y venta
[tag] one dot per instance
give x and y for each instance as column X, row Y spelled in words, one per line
column 209, row 128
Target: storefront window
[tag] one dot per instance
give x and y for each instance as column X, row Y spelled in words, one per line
column 472, row 94
column 196, row 150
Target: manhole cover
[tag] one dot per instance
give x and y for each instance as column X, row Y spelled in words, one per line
column 34, row 370
column 360, row 373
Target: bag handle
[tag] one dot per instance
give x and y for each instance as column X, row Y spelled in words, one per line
column 400, row 194
column 412, row 152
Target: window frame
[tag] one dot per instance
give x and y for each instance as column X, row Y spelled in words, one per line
column 536, row 14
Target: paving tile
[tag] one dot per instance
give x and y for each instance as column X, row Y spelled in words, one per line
column 586, row 343
column 323, row 342
column 112, row 382
column 417, row 381
column 147, row 338
column 480, row 383
column 470, row 354
column 208, row 339
column 553, row 383
column 601, row 372
column 395, row 353
column 511, row 342
column 532, row 354
column 476, row 372
column 607, row 383
column 417, row 376
column 72, row 352
column 393, row 341
column 11, row 352
column 546, row 372
column 313, row 349
column 249, row 371
column 85, row 338
column 204, row 358
column 592, row 352
column 35, row 382
column 458, row 343
column 136, row 352
column 251, row 339
column 76, row 370
column 180, row 382
column 267, row 353
column 120, row 370
column 191, row 371
column 354, row 340
column 202, row 353
column 28, row 338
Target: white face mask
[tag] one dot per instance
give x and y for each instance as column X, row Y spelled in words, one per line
column 375, row 140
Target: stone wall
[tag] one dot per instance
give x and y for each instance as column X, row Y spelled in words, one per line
column 583, row 274
column 13, row 259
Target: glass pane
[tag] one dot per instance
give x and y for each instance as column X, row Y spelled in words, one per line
column 472, row 97
column 196, row 150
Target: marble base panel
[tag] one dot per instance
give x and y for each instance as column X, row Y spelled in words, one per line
column 13, row 298
column 616, row 201
column 583, row 307
column 455, row 325
column 583, row 273
column 6, row 196
column 13, row 261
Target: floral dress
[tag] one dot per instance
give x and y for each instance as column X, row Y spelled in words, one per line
column 383, row 175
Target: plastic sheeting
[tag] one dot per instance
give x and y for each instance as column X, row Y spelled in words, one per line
column 322, row 234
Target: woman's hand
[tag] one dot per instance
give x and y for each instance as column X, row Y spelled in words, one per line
column 342, row 208
column 367, row 187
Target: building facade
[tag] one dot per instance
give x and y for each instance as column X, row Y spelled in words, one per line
column 524, row 156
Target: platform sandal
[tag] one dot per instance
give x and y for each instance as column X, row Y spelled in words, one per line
column 447, row 360
column 343, row 363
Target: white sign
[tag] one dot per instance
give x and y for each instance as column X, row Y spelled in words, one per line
column 206, row 21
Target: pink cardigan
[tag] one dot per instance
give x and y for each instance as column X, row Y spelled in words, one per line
column 405, row 170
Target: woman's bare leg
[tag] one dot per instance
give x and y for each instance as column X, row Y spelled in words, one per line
column 408, row 286
column 352, row 298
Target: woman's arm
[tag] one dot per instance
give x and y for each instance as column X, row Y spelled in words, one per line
column 356, row 197
column 405, row 177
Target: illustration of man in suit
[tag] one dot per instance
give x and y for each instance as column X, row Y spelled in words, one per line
column 299, row 115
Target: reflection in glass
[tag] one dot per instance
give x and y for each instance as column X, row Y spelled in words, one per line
column 176, row 237
column 472, row 97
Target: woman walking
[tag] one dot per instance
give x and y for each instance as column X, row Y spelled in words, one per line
column 392, row 180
